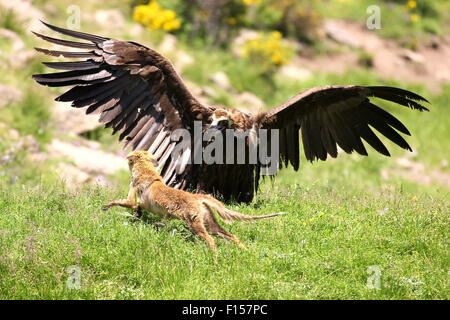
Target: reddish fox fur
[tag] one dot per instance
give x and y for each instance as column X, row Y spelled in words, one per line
column 148, row 191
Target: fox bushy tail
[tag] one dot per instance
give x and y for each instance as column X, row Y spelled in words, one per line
column 228, row 215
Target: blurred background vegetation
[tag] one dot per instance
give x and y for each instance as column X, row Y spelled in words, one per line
column 251, row 55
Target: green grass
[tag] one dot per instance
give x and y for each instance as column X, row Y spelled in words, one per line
column 394, row 16
column 303, row 255
column 30, row 116
column 8, row 20
column 398, row 226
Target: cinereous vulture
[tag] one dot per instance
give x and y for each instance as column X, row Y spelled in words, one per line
column 137, row 92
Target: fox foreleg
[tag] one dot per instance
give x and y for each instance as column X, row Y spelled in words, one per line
column 130, row 202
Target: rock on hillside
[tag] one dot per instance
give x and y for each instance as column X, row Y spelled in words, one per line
column 87, row 159
column 73, row 120
column 17, row 55
column 428, row 64
column 110, row 19
column 26, row 12
column 9, row 94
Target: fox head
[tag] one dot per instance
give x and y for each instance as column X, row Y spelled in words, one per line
column 141, row 156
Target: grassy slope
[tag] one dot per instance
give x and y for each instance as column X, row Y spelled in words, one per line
column 433, row 16
column 304, row 254
column 397, row 225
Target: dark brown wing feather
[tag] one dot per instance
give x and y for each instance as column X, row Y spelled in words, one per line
column 338, row 115
column 134, row 89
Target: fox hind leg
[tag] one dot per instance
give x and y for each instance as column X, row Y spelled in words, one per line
column 216, row 229
column 199, row 228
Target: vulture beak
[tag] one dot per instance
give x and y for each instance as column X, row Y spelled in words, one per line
column 220, row 124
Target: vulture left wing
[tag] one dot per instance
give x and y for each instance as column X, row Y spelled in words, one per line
column 338, row 115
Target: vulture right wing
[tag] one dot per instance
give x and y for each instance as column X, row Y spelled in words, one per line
column 134, row 89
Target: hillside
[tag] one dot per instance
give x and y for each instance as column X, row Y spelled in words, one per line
column 59, row 166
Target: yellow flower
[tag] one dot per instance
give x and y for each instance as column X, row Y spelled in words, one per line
column 231, row 20
column 412, row 4
column 414, row 198
column 321, row 213
column 276, row 35
column 153, row 16
column 169, row 14
column 172, row 25
column 414, row 17
column 268, row 50
column 251, row 2
column 304, row 223
column 311, row 219
column 276, row 59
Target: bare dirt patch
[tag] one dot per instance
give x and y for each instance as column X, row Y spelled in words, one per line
column 416, row 172
column 429, row 64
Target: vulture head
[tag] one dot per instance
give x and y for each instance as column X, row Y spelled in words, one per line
column 222, row 119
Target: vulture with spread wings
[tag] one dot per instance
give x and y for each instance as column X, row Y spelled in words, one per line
column 137, row 92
